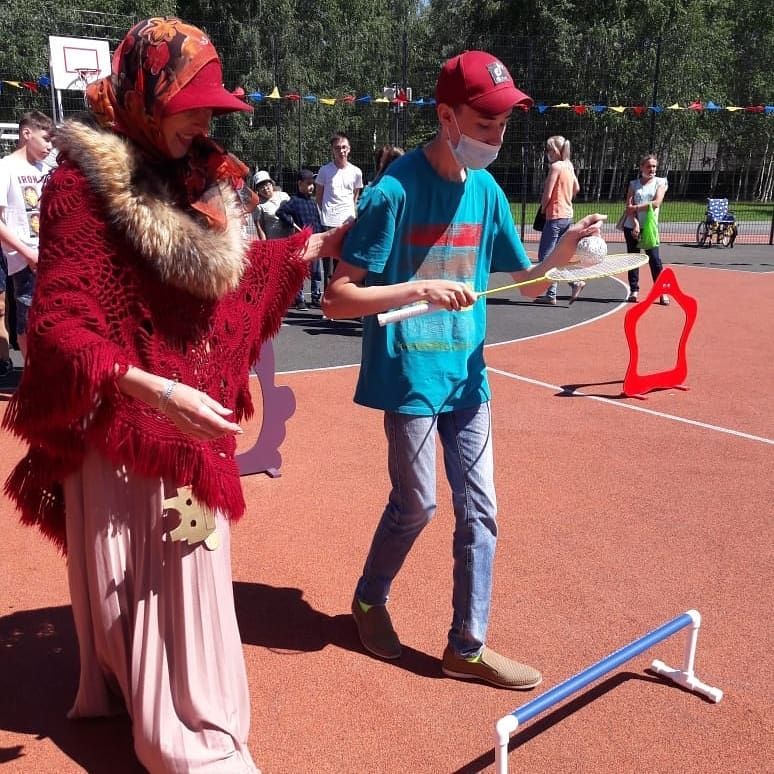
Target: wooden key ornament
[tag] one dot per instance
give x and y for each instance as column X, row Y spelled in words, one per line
column 197, row 522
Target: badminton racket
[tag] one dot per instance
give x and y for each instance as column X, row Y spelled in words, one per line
column 615, row 263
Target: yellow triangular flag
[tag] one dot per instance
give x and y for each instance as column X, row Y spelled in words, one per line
column 617, row 108
column 561, row 105
column 14, row 83
column 274, row 94
column 327, row 101
column 676, row 106
column 381, row 99
column 733, row 108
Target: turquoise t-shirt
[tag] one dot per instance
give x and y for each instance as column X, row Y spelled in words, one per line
column 414, row 225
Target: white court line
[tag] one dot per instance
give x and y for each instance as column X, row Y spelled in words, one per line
column 621, row 404
column 315, row 370
column 580, row 324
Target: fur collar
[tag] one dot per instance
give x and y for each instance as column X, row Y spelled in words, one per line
column 185, row 253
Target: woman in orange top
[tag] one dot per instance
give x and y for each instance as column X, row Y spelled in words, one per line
column 559, row 189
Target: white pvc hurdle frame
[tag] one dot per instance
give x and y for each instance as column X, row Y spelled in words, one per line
column 509, row 724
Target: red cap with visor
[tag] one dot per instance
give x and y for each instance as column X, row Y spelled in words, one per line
column 205, row 90
column 481, row 81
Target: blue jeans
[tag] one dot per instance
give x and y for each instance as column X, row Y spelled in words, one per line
column 466, row 437
column 23, row 289
column 654, row 261
column 315, row 273
column 549, row 236
column 315, row 277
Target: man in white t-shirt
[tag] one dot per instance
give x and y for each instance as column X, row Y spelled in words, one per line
column 337, row 188
column 21, row 180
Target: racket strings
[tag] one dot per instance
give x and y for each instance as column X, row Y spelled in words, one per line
column 615, row 263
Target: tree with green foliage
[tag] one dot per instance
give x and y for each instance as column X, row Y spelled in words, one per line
column 610, row 53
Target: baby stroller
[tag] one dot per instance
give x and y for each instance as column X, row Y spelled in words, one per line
column 718, row 224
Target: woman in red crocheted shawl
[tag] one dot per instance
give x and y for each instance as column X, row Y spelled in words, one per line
column 148, row 312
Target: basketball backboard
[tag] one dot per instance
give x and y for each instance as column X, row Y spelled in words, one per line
column 76, row 62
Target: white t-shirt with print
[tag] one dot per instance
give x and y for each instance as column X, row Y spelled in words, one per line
column 339, row 186
column 20, row 187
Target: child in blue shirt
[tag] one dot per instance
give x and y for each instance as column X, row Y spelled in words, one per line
column 432, row 228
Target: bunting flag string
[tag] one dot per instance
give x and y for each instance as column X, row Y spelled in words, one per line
column 401, row 100
column 43, row 82
column 579, row 108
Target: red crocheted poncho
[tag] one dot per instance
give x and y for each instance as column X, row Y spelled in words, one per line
column 99, row 307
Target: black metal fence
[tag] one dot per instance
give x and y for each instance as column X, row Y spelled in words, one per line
column 703, row 152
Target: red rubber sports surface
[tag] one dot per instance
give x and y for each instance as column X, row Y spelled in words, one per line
column 615, row 515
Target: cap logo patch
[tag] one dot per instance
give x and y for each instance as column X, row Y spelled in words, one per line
column 498, row 72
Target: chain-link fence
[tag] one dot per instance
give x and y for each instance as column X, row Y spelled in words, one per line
column 703, row 153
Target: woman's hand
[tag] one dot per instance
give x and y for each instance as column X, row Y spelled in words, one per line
column 191, row 411
column 195, row 413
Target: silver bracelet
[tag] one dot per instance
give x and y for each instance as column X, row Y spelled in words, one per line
column 169, row 388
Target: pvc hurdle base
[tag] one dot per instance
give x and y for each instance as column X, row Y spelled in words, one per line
column 509, row 724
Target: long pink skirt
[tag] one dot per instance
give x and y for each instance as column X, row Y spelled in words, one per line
column 156, row 625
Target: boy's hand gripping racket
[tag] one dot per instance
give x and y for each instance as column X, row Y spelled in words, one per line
column 615, row 263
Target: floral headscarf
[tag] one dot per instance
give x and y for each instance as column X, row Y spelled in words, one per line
column 156, row 59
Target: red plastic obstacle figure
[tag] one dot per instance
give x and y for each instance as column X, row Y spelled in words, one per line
column 636, row 384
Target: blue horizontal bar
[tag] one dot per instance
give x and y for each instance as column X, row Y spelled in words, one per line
column 582, row 679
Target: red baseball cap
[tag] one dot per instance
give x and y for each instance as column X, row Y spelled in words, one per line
column 481, row 81
column 205, row 90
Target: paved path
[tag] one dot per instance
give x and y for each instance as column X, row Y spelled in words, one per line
column 306, row 341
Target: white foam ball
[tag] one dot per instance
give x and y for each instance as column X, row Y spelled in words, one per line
column 591, row 250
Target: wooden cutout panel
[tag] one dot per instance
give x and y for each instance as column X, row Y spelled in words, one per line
column 279, row 404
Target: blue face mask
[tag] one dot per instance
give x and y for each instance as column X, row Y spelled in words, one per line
column 471, row 153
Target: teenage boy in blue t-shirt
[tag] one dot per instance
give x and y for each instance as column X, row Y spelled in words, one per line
column 432, row 229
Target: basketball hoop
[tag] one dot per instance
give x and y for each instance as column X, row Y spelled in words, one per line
column 83, row 77
column 86, row 75
column 74, row 63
